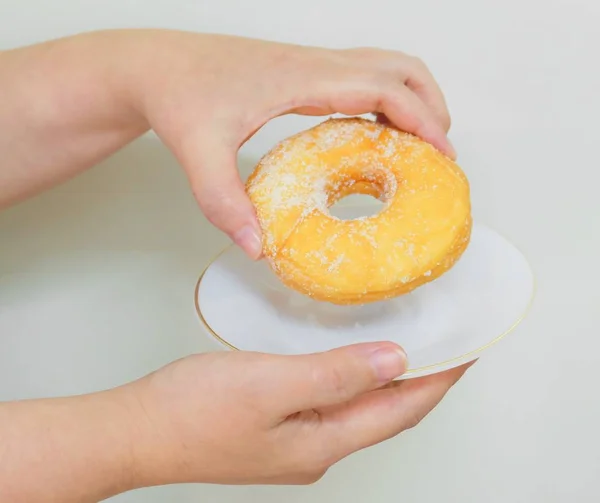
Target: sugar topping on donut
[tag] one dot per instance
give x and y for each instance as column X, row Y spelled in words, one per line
column 420, row 232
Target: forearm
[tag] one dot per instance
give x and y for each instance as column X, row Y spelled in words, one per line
column 64, row 106
column 77, row 449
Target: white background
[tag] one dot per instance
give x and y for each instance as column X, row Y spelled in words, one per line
column 97, row 276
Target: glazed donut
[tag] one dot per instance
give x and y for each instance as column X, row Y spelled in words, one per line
column 420, row 233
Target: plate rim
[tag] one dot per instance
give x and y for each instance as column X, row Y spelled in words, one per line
column 468, row 356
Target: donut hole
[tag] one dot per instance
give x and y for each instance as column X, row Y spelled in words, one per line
column 355, row 206
column 358, row 195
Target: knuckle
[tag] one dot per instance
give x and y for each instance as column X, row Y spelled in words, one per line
column 316, row 457
column 446, row 121
column 216, row 203
column 387, row 90
column 326, row 457
column 412, row 421
column 385, row 93
column 304, row 462
column 390, row 89
column 332, row 379
column 418, row 63
column 373, row 59
column 211, row 205
column 364, row 52
column 313, row 477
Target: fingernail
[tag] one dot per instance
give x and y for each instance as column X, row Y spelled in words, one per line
column 388, row 363
column 249, row 240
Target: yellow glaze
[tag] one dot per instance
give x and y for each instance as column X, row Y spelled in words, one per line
column 422, row 230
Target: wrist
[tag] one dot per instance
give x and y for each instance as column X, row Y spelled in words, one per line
column 78, row 449
column 151, row 63
column 152, row 456
column 116, row 75
column 66, row 105
column 116, row 419
column 105, row 429
column 80, row 81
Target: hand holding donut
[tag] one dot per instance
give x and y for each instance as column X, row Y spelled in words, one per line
column 207, row 99
column 204, row 95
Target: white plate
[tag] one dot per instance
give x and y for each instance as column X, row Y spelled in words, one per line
column 441, row 325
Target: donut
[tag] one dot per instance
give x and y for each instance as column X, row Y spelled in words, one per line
column 420, row 233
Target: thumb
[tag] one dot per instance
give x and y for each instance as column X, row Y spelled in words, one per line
column 221, row 195
column 337, row 376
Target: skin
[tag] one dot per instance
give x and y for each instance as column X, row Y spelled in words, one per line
column 69, row 103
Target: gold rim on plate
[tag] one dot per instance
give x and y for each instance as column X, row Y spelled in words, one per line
column 466, row 356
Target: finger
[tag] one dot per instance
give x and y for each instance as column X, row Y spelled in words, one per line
column 384, row 413
column 398, row 103
column 406, row 111
column 412, row 72
column 399, row 107
column 212, row 170
column 318, row 380
column 423, row 84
